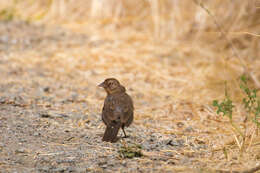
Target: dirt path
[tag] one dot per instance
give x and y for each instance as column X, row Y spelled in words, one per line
column 47, row 126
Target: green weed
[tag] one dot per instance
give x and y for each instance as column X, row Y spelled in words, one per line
column 130, row 151
column 7, row 14
column 251, row 105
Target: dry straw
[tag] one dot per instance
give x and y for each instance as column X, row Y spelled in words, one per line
column 173, row 54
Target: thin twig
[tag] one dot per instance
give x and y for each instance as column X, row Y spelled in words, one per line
column 233, row 48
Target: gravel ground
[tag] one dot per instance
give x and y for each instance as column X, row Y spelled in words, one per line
column 34, row 139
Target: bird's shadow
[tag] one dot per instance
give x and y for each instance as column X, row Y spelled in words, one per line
column 117, row 138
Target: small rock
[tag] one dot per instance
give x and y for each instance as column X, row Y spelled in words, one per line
column 21, row 150
column 178, row 143
column 59, row 170
column 172, row 162
column 70, row 138
column 46, row 89
column 189, row 129
column 169, row 154
column 180, row 124
column 52, row 115
column 36, row 134
column 74, row 96
column 103, row 164
column 3, row 100
column 44, row 115
column 66, row 160
column 22, row 140
column 44, row 169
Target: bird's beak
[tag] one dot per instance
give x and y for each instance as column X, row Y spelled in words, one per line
column 102, row 85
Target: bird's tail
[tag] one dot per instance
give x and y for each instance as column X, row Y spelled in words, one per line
column 110, row 134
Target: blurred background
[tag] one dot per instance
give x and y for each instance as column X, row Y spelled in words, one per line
column 193, row 44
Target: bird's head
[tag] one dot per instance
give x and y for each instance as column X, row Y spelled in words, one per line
column 112, row 85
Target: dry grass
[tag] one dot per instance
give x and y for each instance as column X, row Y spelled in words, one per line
column 174, row 56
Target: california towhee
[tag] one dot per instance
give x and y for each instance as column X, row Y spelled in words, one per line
column 117, row 110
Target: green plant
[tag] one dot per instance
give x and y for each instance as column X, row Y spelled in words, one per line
column 251, row 102
column 130, row 151
column 7, row 14
column 225, row 108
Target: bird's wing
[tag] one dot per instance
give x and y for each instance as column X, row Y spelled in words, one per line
column 111, row 117
column 124, row 108
column 110, row 111
column 118, row 109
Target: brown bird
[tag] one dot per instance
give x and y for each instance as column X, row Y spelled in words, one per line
column 118, row 109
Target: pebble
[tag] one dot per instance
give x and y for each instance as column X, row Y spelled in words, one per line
column 21, row 150
column 189, row 129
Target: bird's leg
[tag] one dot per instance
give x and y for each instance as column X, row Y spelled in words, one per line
column 123, row 128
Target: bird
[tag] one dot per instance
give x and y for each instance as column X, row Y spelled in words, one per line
column 118, row 109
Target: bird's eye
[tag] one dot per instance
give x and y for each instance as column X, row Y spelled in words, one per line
column 110, row 83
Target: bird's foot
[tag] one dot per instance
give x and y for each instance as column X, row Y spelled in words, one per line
column 125, row 136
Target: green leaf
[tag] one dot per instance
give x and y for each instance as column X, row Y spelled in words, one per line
column 130, row 151
column 215, row 103
column 243, row 78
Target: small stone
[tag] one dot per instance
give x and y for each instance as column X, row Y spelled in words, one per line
column 22, row 140
column 66, row 160
column 21, row 150
column 44, row 169
column 103, row 163
column 169, row 154
column 180, row 124
column 52, row 115
column 3, row 100
column 36, row 134
column 59, row 170
column 189, row 129
column 44, row 115
column 172, row 162
column 163, row 159
column 46, row 89
column 178, row 143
